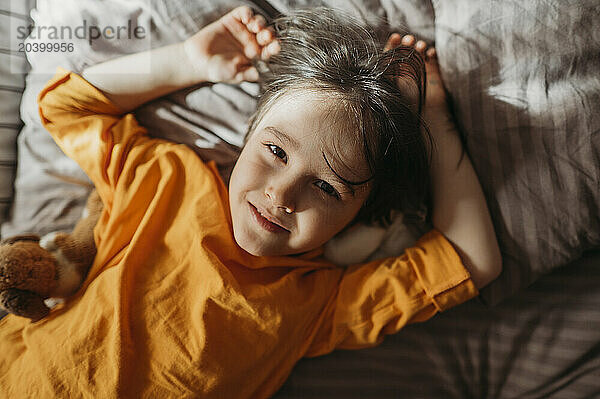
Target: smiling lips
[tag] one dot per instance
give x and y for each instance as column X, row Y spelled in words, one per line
column 264, row 221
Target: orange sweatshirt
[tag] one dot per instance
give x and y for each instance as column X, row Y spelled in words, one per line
column 172, row 307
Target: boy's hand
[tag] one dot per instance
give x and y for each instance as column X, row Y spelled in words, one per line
column 223, row 51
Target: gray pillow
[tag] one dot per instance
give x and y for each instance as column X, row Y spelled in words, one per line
column 524, row 80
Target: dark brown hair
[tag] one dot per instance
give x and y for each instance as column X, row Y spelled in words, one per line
column 325, row 50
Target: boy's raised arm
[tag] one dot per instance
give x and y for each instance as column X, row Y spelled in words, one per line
column 135, row 79
column 220, row 52
column 459, row 207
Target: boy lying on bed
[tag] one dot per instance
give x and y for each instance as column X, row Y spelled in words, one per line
column 202, row 290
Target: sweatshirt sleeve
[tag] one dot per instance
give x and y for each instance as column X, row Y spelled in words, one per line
column 381, row 297
column 89, row 128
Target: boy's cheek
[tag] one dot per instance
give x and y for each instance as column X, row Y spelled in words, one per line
column 253, row 176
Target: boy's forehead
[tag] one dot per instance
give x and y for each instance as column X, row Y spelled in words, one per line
column 309, row 118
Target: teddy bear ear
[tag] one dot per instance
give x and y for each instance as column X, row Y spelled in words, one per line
column 22, row 237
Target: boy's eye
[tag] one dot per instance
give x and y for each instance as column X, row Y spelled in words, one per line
column 277, row 151
column 327, row 188
column 323, row 185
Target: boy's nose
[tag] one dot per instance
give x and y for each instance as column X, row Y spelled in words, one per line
column 281, row 195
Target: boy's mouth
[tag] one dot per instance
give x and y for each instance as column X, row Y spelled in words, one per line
column 266, row 221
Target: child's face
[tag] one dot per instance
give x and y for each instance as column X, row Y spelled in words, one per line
column 282, row 175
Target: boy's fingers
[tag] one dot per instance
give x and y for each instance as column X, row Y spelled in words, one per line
column 250, row 75
column 408, row 40
column 243, row 14
column 431, row 53
column 421, row 46
column 270, row 50
column 257, row 23
column 249, row 30
column 264, row 37
column 393, row 42
column 246, row 39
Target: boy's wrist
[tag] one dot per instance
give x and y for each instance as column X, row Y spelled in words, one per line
column 195, row 63
column 184, row 70
column 191, row 66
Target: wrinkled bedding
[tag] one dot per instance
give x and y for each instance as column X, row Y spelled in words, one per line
column 524, row 84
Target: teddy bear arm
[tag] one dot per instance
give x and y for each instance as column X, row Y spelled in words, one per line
column 79, row 252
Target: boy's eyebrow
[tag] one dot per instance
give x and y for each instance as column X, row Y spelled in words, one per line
column 291, row 141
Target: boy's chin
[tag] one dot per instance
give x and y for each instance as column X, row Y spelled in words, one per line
column 257, row 250
column 253, row 247
column 253, row 243
column 253, row 250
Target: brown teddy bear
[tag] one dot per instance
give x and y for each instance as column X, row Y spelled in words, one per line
column 33, row 269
